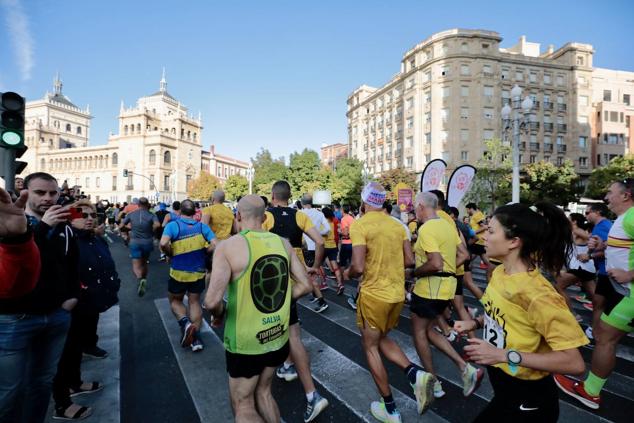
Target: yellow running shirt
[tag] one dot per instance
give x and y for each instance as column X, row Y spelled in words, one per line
column 442, row 214
column 384, row 274
column 221, row 220
column 525, row 313
column 437, row 236
column 329, row 241
column 474, row 222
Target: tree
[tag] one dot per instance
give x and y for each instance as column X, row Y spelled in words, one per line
column 236, row 186
column 492, row 183
column 267, row 171
column 602, row 177
column 545, row 181
column 203, row 186
column 303, row 171
column 347, row 182
column 391, row 178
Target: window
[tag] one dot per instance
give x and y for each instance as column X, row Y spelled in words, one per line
column 583, row 100
column 464, row 113
column 607, row 95
column 505, row 74
column 446, row 92
column 115, row 159
column 488, row 112
column 464, row 47
column 626, row 99
column 410, row 83
column 485, row 47
column 519, row 75
column 444, row 136
column 427, row 76
column 412, row 63
column 43, row 164
column 114, row 183
column 488, row 91
column 621, row 117
column 167, row 158
column 560, row 140
column 532, row 77
column 560, row 80
column 614, row 116
column 547, row 78
column 410, row 103
column 583, row 162
column 79, row 130
column 410, row 142
column 166, row 183
column 464, row 91
column 488, row 134
column 98, row 182
column 444, row 114
column 487, row 69
column 580, row 60
column 410, row 122
column 428, row 138
column 87, row 183
column 627, row 121
column 583, row 120
column 427, row 96
column 152, row 157
column 464, row 136
column 606, row 115
column 581, row 80
column 427, row 117
column 444, row 70
column 464, row 156
column 583, row 142
column 464, row 70
column 410, row 162
column 68, row 127
column 151, row 182
column 560, row 161
column 532, row 158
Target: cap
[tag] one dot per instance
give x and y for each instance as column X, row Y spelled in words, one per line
column 373, row 194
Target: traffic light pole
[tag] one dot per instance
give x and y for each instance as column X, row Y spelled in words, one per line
column 7, row 168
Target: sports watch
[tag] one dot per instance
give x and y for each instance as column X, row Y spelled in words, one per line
column 513, row 358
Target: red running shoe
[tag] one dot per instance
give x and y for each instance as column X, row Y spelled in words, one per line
column 483, row 265
column 576, row 390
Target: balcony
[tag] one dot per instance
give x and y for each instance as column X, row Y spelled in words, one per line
column 561, row 148
column 534, row 146
column 505, row 101
column 548, row 127
column 535, row 104
column 548, row 105
column 365, row 147
column 533, row 126
column 129, row 187
column 487, row 74
column 561, row 107
column 522, row 145
column 548, row 148
column 562, row 127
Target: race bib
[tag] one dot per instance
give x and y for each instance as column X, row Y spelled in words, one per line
column 493, row 332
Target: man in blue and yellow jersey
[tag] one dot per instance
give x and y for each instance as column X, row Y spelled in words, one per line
column 255, row 267
column 187, row 243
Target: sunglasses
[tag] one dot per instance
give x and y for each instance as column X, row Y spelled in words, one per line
column 85, row 215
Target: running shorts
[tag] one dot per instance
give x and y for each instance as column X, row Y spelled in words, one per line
column 459, row 284
column 619, row 312
column 141, row 251
column 247, row 365
column 582, row 275
column 177, row 288
column 377, row 314
column 426, row 308
column 294, row 318
column 604, row 286
column 309, row 257
column 331, row 254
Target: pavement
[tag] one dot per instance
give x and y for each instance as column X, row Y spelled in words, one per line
column 149, row 377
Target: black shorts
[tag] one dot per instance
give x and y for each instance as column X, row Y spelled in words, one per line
column 477, row 249
column 111, row 220
column 459, row 284
column 346, row 255
column 582, row 275
column 209, row 258
column 604, row 286
column 309, row 257
column 177, row 288
column 331, row 254
column 247, row 366
column 516, row 400
column 426, row 308
column 294, row 317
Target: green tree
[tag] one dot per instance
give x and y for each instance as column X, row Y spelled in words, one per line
column 492, row 183
column 347, row 182
column 267, row 171
column 391, row 178
column 203, row 186
column 601, row 177
column 236, row 186
column 303, row 171
column 546, row 181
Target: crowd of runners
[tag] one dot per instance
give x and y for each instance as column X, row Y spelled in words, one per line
column 248, row 267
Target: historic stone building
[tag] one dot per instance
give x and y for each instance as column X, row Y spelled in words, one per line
column 447, row 97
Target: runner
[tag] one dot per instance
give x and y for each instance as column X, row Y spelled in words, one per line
column 161, row 213
column 322, row 225
column 221, row 220
column 477, row 221
column 345, row 254
column 617, row 319
column 467, row 234
column 256, row 333
column 288, row 223
column 529, row 331
column 143, row 224
column 437, row 255
column 175, row 214
column 187, row 242
column 331, row 248
column 381, row 252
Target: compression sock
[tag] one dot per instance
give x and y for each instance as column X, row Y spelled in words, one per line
column 411, row 370
column 593, row 384
column 390, row 405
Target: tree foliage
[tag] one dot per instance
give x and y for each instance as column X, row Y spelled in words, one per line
column 492, row 183
column 267, row 171
column 391, row 178
column 602, row 177
column 304, row 171
column 548, row 182
column 347, row 182
column 236, row 186
column 203, row 186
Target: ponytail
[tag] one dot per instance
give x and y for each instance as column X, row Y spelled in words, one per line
column 545, row 232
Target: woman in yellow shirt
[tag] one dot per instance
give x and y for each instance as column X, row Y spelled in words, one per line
column 529, row 331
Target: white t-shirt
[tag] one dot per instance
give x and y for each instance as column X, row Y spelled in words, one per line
column 321, row 224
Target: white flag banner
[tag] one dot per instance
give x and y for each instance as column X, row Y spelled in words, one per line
column 432, row 175
column 459, row 184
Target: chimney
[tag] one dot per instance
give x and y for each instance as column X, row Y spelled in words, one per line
column 213, row 150
column 551, row 48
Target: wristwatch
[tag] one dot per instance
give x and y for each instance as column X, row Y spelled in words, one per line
column 513, row 359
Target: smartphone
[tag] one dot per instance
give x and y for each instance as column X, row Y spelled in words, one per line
column 76, row 213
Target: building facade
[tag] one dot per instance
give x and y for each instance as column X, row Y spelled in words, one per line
column 447, row 98
column 331, row 153
column 222, row 166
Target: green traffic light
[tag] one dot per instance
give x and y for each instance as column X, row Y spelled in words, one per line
column 11, row 138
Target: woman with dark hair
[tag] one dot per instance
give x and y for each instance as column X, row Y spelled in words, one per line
column 577, row 270
column 529, row 332
column 330, row 244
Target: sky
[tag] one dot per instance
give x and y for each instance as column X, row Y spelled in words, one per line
column 264, row 74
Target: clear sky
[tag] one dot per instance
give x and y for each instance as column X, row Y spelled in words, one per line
column 267, row 73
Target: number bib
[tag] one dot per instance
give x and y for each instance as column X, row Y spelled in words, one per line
column 493, row 332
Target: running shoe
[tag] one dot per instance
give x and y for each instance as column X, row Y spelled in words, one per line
column 313, row 299
column 423, row 390
column 352, row 303
column 438, row 391
column 314, row 407
column 408, row 297
column 471, row 379
column 141, row 289
column 582, row 298
column 95, row 352
column 189, row 334
column 287, row 373
column 589, row 333
column 321, row 306
column 197, row 345
column 340, row 289
column 576, row 390
column 162, row 258
column 452, row 336
column 323, row 286
column 378, row 410
column 588, row 306
column 578, row 318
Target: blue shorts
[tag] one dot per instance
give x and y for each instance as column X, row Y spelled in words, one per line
column 141, row 251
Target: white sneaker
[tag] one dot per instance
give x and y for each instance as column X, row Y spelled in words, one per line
column 453, row 335
column 438, row 391
column 377, row 408
column 424, row 390
column 589, row 333
column 471, row 378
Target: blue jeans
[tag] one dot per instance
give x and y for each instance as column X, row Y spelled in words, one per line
column 30, row 348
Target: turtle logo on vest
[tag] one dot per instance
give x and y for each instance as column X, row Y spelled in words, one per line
column 269, row 283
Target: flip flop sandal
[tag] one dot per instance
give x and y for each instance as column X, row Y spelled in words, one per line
column 81, row 414
column 94, row 387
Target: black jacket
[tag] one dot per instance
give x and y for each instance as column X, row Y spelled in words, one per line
column 59, row 276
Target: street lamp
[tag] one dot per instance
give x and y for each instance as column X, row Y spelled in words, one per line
column 517, row 117
column 250, row 173
column 366, row 172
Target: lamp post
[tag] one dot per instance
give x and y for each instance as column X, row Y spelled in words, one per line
column 366, row 173
column 516, row 117
column 250, row 174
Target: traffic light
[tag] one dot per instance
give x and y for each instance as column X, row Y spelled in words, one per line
column 12, row 107
column 125, row 173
